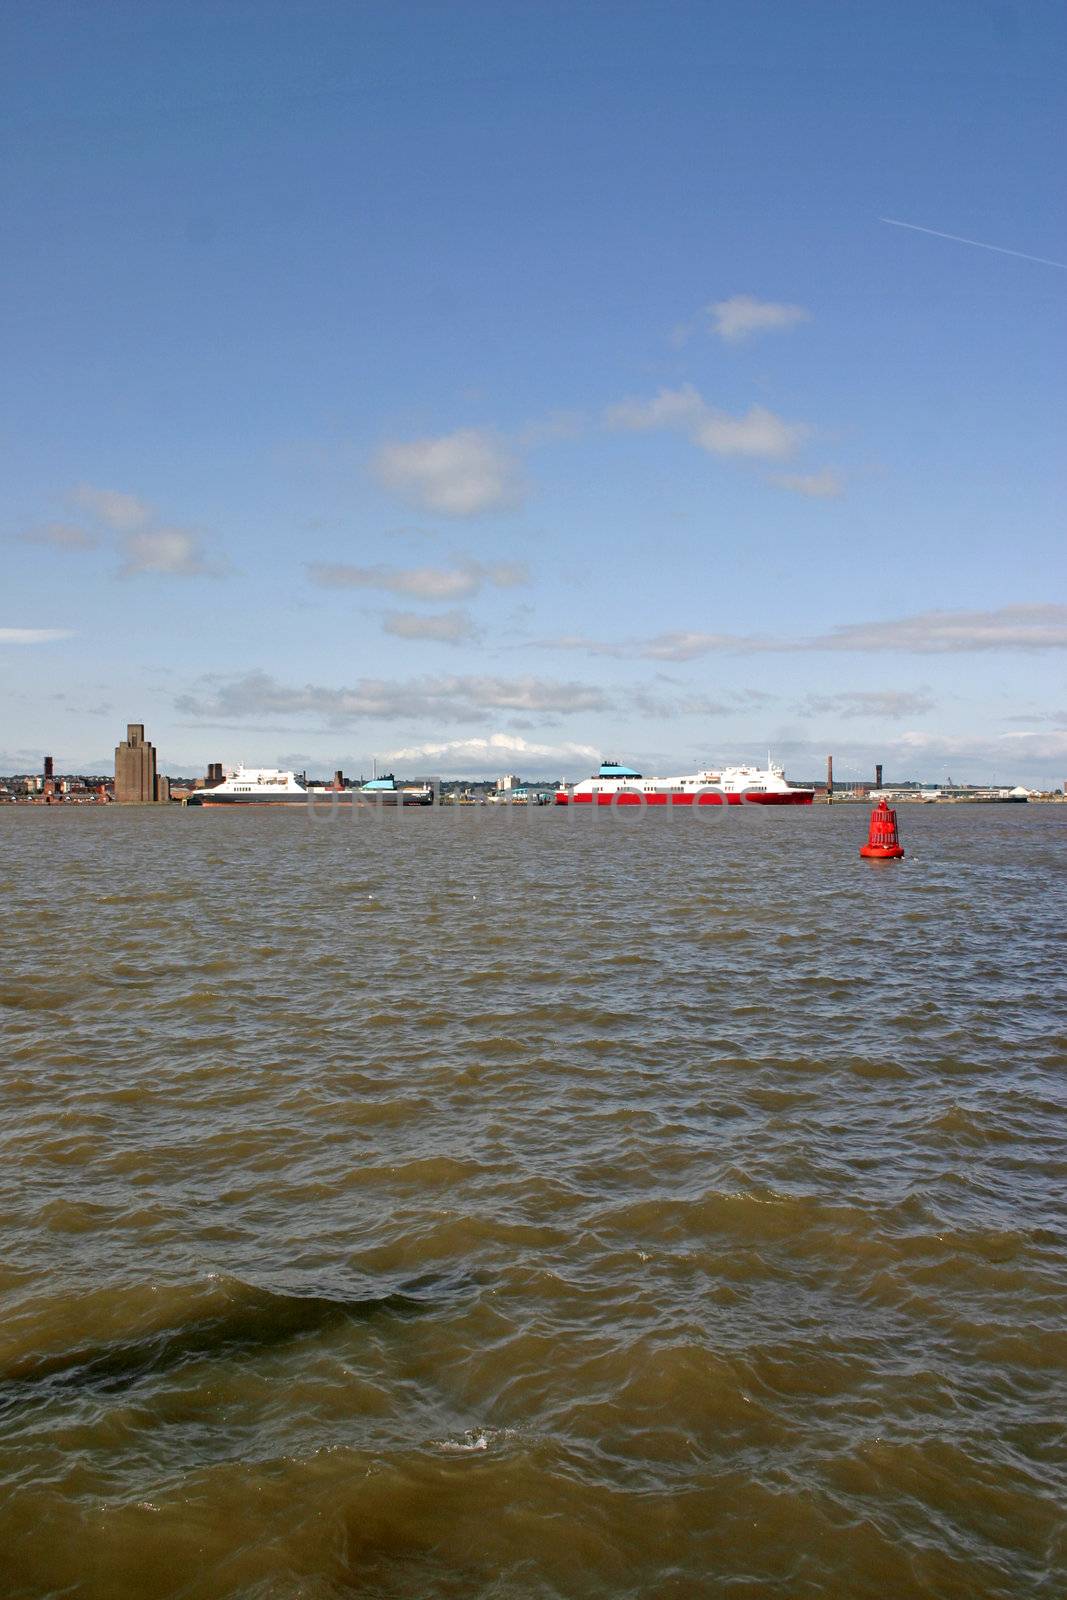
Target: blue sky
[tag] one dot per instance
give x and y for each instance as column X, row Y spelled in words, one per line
column 491, row 386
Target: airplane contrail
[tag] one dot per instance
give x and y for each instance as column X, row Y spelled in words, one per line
column 957, row 238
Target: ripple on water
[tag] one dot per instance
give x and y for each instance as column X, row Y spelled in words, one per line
column 385, row 1214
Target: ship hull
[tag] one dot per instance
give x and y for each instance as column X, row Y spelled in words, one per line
column 318, row 803
column 794, row 797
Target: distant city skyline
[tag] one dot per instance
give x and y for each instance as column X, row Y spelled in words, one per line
column 493, row 388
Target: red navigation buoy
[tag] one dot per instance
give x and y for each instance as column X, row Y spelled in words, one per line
column 882, row 842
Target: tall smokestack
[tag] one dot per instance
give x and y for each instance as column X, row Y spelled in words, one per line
column 829, row 777
column 878, row 775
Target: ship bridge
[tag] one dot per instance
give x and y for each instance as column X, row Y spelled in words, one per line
column 612, row 769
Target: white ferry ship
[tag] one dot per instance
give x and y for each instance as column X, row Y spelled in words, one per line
column 270, row 786
column 616, row 784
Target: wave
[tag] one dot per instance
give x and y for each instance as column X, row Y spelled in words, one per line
column 229, row 1319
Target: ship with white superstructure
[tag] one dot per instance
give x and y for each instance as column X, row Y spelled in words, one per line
column 616, row 784
column 271, row 786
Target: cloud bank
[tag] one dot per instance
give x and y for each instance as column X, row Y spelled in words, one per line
column 498, row 748
column 253, row 696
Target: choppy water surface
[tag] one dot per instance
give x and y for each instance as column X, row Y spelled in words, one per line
column 473, row 1205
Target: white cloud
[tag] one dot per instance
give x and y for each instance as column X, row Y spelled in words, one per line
column 505, row 574
column 145, row 545
column 889, row 704
column 672, row 408
column 420, row 583
column 446, row 627
column 682, row 645
column 172, row 551
column 677, row 645
column 495, row 749
column 666, row 702
column 33, row 635
column 122, row 513
column 1041, row 627
column 743, row 315
column 758, row 432
column 1057, row 717
column 1038, row 739
column 61, row 536
column 463, row 474
column 824, row 485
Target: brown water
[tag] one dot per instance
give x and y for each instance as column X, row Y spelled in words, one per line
column 474, row 1205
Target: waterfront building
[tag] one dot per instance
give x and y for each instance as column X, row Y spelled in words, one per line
column 135, row 768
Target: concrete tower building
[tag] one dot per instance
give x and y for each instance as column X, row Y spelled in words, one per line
column 135, row 768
